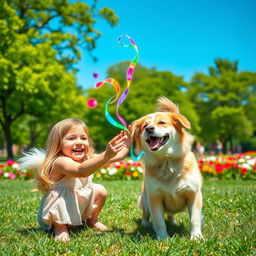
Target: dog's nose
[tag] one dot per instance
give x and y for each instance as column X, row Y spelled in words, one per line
column 150, row 129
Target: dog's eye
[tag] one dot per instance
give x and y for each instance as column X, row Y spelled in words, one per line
column 145, row 125
column 161, row 122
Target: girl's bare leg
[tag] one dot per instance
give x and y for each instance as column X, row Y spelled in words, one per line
column 100, row 198
column 61, row 232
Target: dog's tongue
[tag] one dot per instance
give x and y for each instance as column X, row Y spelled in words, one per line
column 154, row 142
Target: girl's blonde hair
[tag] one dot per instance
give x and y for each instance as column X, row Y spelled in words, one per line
column 53, row 148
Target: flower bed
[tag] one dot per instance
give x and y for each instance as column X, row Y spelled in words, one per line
column 129, row 170
column 11, row 170
column 242, row 166
column 222, row 167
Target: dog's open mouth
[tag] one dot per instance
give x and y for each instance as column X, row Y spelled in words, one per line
column 155, row 143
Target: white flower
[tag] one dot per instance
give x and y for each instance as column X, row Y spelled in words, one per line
column 6, row 175
column 241, row 160
column 130, row 161
column 246, row 166
column 103, row 170
column 132, row 168
column 140, row 169
column 112, row 171
column 16, row 166
column 252, row 162
column 212, row 158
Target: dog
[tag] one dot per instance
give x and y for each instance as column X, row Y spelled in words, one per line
column 172, row 179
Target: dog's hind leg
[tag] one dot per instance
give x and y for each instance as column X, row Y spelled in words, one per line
column 143, row 203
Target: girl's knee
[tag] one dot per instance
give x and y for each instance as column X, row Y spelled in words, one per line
column 100, row 190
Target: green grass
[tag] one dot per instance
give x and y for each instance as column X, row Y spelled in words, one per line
column 228, row 227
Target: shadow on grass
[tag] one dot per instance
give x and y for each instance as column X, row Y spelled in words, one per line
column 34, row 231
column 141, row 231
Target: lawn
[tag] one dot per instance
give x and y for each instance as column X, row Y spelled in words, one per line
column 228, row 227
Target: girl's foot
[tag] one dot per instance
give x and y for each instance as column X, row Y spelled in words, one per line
column 61, row 235
column 97, row 225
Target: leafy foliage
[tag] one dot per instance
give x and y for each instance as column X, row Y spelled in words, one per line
column 39, row 43
column 224, row 100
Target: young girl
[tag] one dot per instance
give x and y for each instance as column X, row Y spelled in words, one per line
column 65, row 176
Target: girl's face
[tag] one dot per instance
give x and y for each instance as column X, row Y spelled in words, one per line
column 75, row 144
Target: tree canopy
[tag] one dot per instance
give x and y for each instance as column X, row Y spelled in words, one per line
column 39, row 45
column 225, row 100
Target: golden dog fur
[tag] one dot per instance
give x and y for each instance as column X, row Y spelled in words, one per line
column 172, row 179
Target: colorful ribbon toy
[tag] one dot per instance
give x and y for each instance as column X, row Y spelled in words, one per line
column 121, row 99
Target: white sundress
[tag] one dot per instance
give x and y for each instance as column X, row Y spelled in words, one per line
column 68, row 201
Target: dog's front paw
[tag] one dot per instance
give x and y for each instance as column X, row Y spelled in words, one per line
column 197, row 236
column 161, row 234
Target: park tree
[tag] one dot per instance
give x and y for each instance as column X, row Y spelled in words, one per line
column 40, row 42
column 225, row 100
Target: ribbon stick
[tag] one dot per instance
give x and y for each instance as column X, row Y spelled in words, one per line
column 113, row 99
column 114, row 83
column 129, row 75
column 111, row 119
column 121, row 99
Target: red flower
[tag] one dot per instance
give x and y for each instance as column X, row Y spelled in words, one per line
column 127, row 173
column 2, row 165
column 219, row 168
column 243, row 171
column 10, row 162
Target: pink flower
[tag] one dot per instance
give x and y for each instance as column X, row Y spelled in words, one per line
column 10, row 162
column 12, row 176
column 1, row 172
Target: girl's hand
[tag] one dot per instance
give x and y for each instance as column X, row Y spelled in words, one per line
column 129, row 140
column 115, row 145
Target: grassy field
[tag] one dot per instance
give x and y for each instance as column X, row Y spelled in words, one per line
column 228, row 227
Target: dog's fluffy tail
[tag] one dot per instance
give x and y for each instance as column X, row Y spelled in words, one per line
column 166, row 105
column 32, row 159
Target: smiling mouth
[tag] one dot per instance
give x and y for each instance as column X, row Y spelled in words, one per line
column 78, row 151
column 155, row 143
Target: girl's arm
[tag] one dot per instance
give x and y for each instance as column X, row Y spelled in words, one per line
column 67, row 166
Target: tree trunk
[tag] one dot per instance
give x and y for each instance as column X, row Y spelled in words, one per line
column 8, row 139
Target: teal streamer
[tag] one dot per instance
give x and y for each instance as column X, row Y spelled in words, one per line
column 111, row 119
column 134, row 157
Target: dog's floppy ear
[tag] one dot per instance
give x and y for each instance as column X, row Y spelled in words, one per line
column 180, row 121
column 135, row 130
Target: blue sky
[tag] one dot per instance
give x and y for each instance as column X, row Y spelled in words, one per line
column 183, row 36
